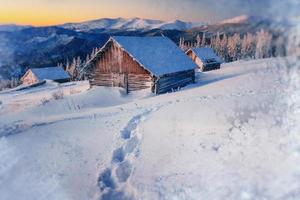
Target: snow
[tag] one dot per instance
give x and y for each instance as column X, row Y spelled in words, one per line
column 232, row 135
column 50, row 73
column 159, row 55
column 14, row 100
column 131, row 24
column 206, row 53
column 243, row 19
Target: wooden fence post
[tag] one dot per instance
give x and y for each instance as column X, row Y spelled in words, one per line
column 126, row 83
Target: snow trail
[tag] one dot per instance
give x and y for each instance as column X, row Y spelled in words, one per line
column 219, row 138
column 114, row 181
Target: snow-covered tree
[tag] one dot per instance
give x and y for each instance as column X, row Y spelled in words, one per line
column 280, row 46
column 293, row 41
column 203, row 42
column 263, row 44
column 87, row 58
column 94, row 52
column 218, row 42
column 223, row 52
column 67, row 64
column 181, row 43
column 198, row 40
column 234, row 47
column 59, row 65
column 78, row 67
column 72, row 68
column 248, row 46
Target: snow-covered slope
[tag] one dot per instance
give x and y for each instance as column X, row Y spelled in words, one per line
column 243, row 19
column 232, row 135
column 131, row 24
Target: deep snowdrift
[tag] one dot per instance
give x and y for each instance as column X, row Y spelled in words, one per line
column 232, row 135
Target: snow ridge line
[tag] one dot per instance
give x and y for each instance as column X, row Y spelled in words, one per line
column 21, row 126
column 114, row 181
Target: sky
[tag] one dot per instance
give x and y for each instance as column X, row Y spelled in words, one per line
column 50, row 12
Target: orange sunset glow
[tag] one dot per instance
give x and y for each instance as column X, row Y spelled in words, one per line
column 47, row 12
column 42, row 15
column 51, row 12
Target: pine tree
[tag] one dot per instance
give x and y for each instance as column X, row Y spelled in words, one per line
column 234, row 47
column 93, row 53
column 263, row 44
column 223, row 47
column 293, row 41
column 67, row 65
column 203, row 40
column 280, row 49
column 217, row 43
column 78, row 68
column 247, row 46
column 59, row 64
column 181, row 43
column 87, row 59
column 198, row 39
column 71, row 69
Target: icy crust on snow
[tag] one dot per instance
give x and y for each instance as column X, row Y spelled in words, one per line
column 157, row 54
column 232, row 135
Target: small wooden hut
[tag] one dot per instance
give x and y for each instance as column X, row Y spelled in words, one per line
column 35, row 75
column 205, row 58
column 137, row 63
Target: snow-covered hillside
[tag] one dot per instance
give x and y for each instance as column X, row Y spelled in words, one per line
column 131, row 24
column 244, row 19
column 232, row 135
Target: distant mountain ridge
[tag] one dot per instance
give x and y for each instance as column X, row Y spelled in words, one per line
column 28, row 46
column 131, row 24
column 12, row 27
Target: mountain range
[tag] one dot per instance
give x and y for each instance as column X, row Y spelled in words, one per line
column 130, row 24
column 22, row 47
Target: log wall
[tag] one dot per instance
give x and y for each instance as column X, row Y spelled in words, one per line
column 203, row 67
column 29, row 78
column 177, row 80
column 116, row 68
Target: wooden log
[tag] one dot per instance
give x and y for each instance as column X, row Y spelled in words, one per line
column 174, row 85
column 173, row 81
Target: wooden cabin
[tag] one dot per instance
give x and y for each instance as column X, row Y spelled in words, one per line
column 136, row 63
column 205, row 58
column 35, row 75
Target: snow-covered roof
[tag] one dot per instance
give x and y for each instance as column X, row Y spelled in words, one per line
column 50, row 73
column 159, row 55
column 206, row 54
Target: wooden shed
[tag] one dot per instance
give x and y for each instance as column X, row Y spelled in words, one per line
column 205, row 58
column 137, row 63
column 35, row 75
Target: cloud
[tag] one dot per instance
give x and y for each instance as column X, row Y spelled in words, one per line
column 221, row 9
